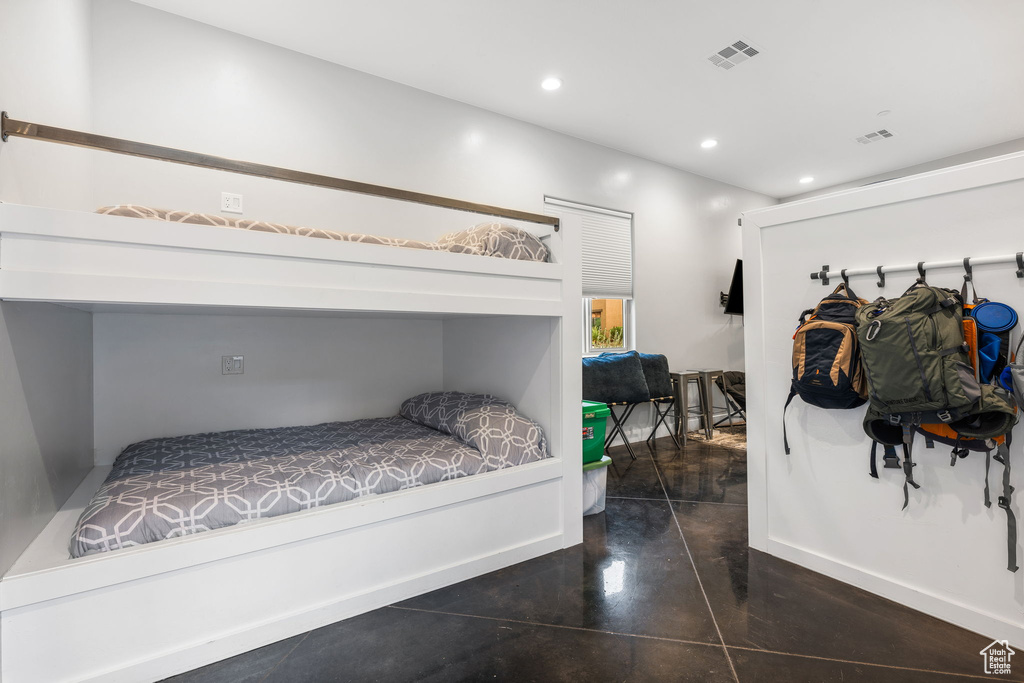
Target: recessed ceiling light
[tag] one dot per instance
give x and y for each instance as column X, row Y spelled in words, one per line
column 709, row 143
column 551, row 83
column 806, row 179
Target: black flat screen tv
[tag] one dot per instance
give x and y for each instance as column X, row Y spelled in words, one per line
column 734, row 306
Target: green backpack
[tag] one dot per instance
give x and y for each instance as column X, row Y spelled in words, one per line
column 918, row 369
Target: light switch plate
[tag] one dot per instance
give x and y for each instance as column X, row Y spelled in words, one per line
column 232, row 365
column 230, row 203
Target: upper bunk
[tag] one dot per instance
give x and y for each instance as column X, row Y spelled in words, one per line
column 101, row 262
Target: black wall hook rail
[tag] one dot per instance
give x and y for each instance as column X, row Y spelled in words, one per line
column 921, row 267
column 821, row 275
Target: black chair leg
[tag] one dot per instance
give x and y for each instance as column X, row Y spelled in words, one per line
column 617, row 429
column 662, row 416
column 732, row 410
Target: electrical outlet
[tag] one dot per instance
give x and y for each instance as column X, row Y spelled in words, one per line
column 232, row 365
column 230, row 203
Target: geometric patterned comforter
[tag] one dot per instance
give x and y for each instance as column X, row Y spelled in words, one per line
column 486, row 239
column 170, row 487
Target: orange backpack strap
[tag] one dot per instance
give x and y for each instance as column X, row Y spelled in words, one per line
column 971, row 339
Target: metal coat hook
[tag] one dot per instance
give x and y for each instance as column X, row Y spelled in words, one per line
column 967, row 264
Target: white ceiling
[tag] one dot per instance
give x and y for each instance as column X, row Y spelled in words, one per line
column 637, row 78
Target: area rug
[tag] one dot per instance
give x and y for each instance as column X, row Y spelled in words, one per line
column 733, row 438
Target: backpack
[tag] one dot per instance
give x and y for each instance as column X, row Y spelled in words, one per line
column 988, row 342
column 826, row 364
column 921, row 364
column 917, row 364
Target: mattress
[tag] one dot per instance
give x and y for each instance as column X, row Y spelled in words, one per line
column 172, row 487
column 485, row 239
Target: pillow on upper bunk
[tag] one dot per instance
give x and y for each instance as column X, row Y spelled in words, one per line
column 492, row 426
column 498, row 239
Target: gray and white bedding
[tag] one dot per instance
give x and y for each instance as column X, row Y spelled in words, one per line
column 486, row 239
column 171, row 487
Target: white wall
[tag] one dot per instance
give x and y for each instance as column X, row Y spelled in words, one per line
column 1002, row 148
column 44, row 47
column 946, row 554
column 45, row 417
column 509, row 357
column 118, row 68
column 165, row 79
column 160, row 375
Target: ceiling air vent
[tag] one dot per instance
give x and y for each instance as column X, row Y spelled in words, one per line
column 734, row 54
column 874, row 137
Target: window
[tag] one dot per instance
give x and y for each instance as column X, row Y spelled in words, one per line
column 607, row 274
column 608, row 321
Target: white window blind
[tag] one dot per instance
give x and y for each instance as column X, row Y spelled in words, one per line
column 607, row 248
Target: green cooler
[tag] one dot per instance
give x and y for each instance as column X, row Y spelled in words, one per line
column 595, row 418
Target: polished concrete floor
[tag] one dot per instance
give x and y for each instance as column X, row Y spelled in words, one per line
column 663, row 588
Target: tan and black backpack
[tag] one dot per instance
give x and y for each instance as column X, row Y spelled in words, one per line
column 826, row 363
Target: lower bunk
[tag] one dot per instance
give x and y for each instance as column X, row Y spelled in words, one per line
column 128, row 610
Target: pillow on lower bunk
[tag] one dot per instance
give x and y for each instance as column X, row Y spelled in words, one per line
column 497, row 239
column 492, row 426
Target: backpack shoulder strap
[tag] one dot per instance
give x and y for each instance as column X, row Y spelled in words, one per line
column 892, row 461
column 1003, row 454
column 908, row 465
column 785, row 437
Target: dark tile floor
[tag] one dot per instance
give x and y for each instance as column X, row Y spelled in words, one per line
column 663, row 588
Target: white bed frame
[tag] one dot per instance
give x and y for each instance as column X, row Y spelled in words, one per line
column 148, row 612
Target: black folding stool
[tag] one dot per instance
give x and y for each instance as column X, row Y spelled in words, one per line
column 669, row 402
column 617, row 426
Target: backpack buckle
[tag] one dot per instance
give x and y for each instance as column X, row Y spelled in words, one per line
column 892, row 462
column 894, row 419
column 1004, row 502
column 944, row 415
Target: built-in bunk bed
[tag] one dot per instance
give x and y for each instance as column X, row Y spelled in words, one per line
column 300, row 524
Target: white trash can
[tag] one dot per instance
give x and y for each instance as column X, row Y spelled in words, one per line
column 595, row 485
